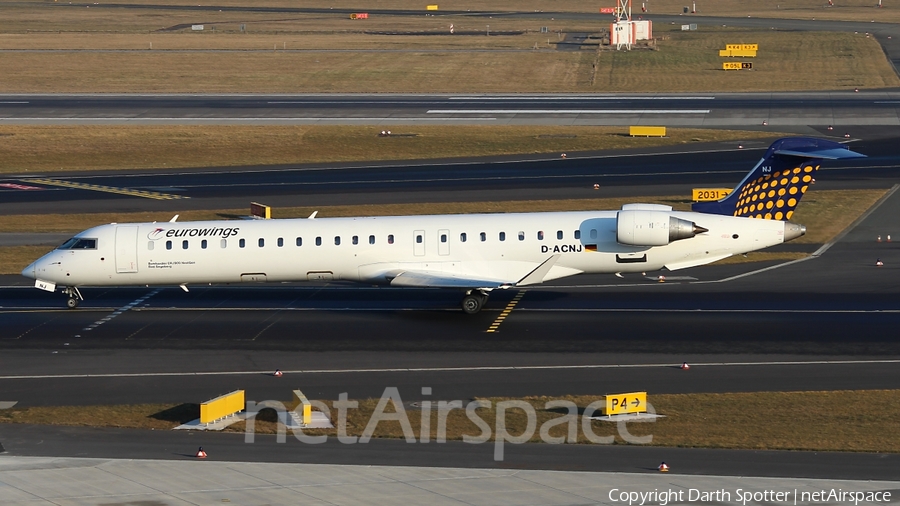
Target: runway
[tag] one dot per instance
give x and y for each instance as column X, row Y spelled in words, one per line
column 787, row 110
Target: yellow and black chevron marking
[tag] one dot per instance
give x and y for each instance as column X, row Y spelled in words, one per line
column 506, row 311
column 774, row 196
column 107, row 189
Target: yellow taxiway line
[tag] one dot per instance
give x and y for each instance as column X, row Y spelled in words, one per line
column 107, row 189
column 506, row 311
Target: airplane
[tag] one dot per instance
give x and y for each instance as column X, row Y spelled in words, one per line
column 474, row 253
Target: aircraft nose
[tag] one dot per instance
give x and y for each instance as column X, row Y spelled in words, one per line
column 28, row 272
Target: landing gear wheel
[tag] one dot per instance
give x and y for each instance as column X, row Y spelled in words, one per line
column 473, row 302
column 72, row 303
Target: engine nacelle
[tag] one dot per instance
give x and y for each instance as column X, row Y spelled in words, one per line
column 652, row 228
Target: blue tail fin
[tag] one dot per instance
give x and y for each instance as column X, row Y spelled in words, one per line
column 775, row 186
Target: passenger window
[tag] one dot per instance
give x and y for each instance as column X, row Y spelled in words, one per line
column 281, row 242
column 391, row 239
column 578, row 234
column 242, row 243
column 224, row 243
column 318, row 241
column 559, row 234
column 521, row 236
column 593, row 233
column 168, row 244
column 203, row 244
column 355, row 239
column 150, row 245
column 262, row 242
column 299, row 241
column 418, row 239
column 184, row 245
column 371, row 239
column 443, row 237
column 483, row 237
column 540, row 235
column 462, row 237
column 502, row 236
column 337, row 240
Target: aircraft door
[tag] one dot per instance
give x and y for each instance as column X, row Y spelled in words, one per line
column 126, row 249
column 419, row 243
column 443, row 242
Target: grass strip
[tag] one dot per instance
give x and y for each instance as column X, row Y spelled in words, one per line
column 825, row 213
column 33, row 15
column 685, row 62
column 812, row 421
column 28, row 150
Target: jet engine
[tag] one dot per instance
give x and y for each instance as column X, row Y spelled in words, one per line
column 652, row 228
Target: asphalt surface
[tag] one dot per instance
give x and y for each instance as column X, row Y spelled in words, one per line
column 133, row 444
column 672, row 170
column 346, row 338
column 794, row 111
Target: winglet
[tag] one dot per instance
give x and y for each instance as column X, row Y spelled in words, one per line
column 537, row 275
column 174, row 218
column 313, row 215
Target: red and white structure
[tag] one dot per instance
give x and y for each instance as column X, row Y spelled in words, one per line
column 625, row 31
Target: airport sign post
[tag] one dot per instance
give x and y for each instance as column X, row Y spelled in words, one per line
column 709, row 194
column 620, row 404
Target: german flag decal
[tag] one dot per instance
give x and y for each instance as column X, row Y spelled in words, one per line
column 590, row 247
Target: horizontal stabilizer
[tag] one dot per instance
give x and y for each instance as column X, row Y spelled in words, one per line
column 823, row 154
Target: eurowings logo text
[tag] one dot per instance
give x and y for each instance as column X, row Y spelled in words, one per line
column 224, row 233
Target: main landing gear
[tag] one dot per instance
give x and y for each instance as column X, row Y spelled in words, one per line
column 474, row 301
column 74, row 297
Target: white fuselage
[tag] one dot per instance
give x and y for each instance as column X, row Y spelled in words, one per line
column 500, row 247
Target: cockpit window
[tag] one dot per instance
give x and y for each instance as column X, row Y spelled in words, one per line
column 79, row 243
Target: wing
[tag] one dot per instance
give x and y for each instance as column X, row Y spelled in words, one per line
column 421, row 279
column 444, row 280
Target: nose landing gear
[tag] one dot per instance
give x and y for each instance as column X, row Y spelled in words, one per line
column 474, row 301
column 74, row 297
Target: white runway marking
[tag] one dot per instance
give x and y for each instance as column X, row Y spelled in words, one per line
column 581, row 97
column 121, row 310
column 218, row 119
column 455, row 369
column 568, row 111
